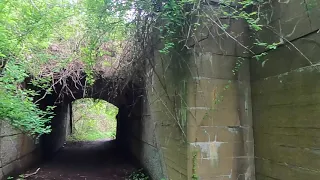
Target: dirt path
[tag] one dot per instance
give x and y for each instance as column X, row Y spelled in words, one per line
column 96, row 160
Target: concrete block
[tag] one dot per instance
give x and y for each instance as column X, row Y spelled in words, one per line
column 7, row 129
column 292, row 141
column 294, row 156
column 269, row 34
column 271, row 12
column 209, row 65
column 30, row 159
column 291, row 9
column 164, row 118
column 177, row 145
column 275, row 10
column 287, row 58
column 1, row 174
column 213, row 105
column 295, row 27
column 210, row 37
column 177, row 163
column 11, row 168
column 313, row 7
column 216, row 150
column 277, row 170
column 220, row 117
column 148, row 132
column 283, row 30
column 223, row 134
column 232, row 168
column 152, row 160
column 175, row 174
column 213, row 93
column 26, row 145
column 171, row 132
column 289, row 117
column 9, row 148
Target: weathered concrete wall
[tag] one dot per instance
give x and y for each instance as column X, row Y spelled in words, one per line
column 198, row 113
column 164, row 112
column 52, row 142
column 143, row 140
column 219, row 104
column 17, row 151
column 285, row 96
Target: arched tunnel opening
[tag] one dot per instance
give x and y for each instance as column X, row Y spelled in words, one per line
column 94, row 153
column 92, row 120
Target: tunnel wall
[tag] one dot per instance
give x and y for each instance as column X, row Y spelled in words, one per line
column 197, row 113
column 285, row 95
column 164, row 146
column 52, row 142
column 219, row 118
column 142, row 139
column 17, row 151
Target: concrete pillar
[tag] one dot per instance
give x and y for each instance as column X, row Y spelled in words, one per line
column 219, row 106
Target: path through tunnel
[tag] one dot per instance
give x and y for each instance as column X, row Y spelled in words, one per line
column 104, row 158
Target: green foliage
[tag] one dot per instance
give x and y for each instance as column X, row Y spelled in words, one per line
column 139, row 175
column 28, row 25
column 93, row 120
column 105, row 21
column 25, row 27
column 176, row 20
column 194, row 166
column 29, row 28
column 174, row 17
column 16, row 104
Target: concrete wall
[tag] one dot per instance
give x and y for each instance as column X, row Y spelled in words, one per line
column 285, row 95
column 17, row 151
column 52, row 142
column 219, row 104
column 197, row 113
column 165, row 126
column 142, row 138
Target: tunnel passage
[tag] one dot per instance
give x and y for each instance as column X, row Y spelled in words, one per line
column 127, row 101
column 55, row 149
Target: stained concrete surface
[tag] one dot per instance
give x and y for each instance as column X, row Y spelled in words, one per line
column 93, row 160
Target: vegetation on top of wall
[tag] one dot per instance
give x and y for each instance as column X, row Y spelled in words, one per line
column 51, row 41
column 24, row 28
column 16, row 104
column 180, row 24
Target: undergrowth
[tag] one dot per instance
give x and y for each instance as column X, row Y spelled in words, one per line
column 139, row 175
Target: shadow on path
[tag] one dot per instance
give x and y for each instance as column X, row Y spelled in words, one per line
column 94, row 160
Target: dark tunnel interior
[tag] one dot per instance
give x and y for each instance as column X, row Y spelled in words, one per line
column 56, row 151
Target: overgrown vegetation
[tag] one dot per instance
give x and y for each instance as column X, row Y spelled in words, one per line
column 93, row 120
column 52, row 41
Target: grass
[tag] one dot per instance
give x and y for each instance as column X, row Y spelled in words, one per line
column 91, row 136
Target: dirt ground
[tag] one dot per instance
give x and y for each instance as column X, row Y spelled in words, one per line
column 97, row 160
